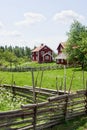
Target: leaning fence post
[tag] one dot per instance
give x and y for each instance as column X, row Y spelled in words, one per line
column 65, row 110
column 57, row 85
column 67, row 97
column 83, row 80
column 64, row 79
column 34, row 101
column 33, row 84
column 86, row 98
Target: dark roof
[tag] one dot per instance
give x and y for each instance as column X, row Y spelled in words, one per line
column 63, row 44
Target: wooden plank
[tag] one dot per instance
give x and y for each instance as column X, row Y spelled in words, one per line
column 24, row 95
column 49, row 111
column 35, row 105
column 15, row 114
column 70, row 116
column 57, row 97
column 81, row 92
column 13, row 123
column 48, row 124
column 25, row 127
column 50, row 117
column 73, row 103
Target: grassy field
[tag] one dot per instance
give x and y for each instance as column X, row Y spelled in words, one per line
column 49, row 78
column 80, row 123
column 49, row 81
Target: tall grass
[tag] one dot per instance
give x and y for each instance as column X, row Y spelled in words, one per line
column 10, row 102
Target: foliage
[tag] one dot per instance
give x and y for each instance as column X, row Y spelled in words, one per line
column 14, row 55
column 77, row 44
column 8, row 101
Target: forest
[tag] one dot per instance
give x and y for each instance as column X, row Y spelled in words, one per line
column 15, row 55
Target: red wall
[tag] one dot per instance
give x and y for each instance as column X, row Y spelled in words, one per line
column 45, row 49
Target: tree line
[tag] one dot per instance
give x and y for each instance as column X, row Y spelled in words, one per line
column 14, row 54
column 18, row 51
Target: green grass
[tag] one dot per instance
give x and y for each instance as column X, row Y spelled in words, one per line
column 36, row 64
column 49, row 78
column 80, row 123
column 49, row 81
column 9, row 102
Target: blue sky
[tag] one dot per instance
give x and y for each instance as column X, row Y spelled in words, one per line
column 32, row 22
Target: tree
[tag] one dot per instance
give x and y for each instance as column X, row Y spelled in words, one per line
column 10, row 57
column 76, row 47
column 28, row 52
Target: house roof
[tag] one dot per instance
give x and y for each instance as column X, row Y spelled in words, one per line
column 38, row 48
column 63, row 44
column 61, row 56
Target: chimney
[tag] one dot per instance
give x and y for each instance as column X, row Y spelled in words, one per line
column 42, row 44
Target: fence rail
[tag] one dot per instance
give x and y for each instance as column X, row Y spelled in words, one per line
column 24, row 69
column 55, row 109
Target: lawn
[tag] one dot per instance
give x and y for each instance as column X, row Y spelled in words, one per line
column 49, row 78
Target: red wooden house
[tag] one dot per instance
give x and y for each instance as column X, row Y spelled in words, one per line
column 61, row 58
column 42, row 54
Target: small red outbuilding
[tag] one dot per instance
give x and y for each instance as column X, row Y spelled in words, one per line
column 61, row 58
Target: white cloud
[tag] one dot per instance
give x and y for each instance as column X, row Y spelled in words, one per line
column 10, row 33
column 30, row 18
column 67, row 16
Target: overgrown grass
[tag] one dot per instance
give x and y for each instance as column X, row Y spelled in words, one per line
column 9, row 102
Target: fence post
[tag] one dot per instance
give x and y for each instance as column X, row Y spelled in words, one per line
column 65, row 110
column 33, row 84
column 86, row 98
column 34, row 100
column 34, row 117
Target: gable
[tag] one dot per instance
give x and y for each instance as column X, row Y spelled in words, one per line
column 46, row 48
column 61, row 45
column 47, row 54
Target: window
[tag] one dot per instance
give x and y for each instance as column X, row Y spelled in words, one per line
column 49, row 52
column 47, row 57
column 42, row 52
column 36, row 53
